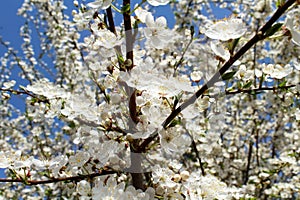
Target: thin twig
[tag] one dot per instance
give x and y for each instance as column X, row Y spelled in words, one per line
column 55, row 180
column 194, row 145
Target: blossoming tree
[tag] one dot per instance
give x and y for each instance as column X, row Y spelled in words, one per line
column 208, row 109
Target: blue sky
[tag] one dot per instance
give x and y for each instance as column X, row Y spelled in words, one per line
column 10, row 22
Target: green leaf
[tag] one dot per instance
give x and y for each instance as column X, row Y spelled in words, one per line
column 279, row 3
column 228, row 75
column 283, row 83
column 273, row 29
column 120, row 59
column 175, row 122
column 247, row 85
column 271, row 172
column 239, row 85
column 232, row 45
column 126, row 8
column 71, row 124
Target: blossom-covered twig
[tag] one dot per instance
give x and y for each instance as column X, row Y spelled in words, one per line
column 19, row 92
column 255, row 90
column 55, row 180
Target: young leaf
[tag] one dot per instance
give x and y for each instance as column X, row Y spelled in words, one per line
column 228, row 75
column 247, row 85
column 282, row 84
column 232, row 45
column 273, row 29
column 126, row 8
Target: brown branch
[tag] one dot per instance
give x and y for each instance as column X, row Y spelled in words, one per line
column 137, row 177
column 128, row 33
column 111, row 22
column 246, row 172
column 177, row 64
column 217, row 76
column 112, row 28
column 55, row 180
column 18, row 92
column 254, row 90
column 194, row 146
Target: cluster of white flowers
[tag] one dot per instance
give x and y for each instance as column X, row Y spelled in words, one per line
column 277, row 71
column 111, row 190
column 95, row 109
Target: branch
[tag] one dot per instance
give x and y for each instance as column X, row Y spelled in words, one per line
column 135, row 156
column 254, row 90
column 217, row 76
column 194, row 145
column 55, row 180
column 177, row 64
column 18, row 92
column 246, row 173
column 112, row 28
column 128, row 32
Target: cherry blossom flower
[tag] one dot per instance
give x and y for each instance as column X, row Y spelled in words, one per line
column 156, row 32
column 57, row 163
column 106, row 39
column 226, row 29
column 243, row 73
column 163, row 177
column 196, row 76
column 277, row 71
column 4, row 161
column 79, row 159
column 84, row 189
column 46, row 88
column 113, row 190
column 100, row 4
column 141, row 14
column 158, row 2
column 173, row 139
column 219, row 50
column 148, row 79
column 281, row 71
column 292, row 23
column 9, row 84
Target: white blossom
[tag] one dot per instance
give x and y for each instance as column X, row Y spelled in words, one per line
column 79, row 159
column 84, row 188
column 156, row 32
column 226, row 29
column 100, row 4
column 219, row 50
column 293, row 25
column 9, row 84
column 158, row 2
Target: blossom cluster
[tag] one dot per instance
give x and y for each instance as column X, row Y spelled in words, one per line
column 141, row 110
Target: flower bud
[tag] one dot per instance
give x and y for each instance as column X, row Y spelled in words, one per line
column 185, row 175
